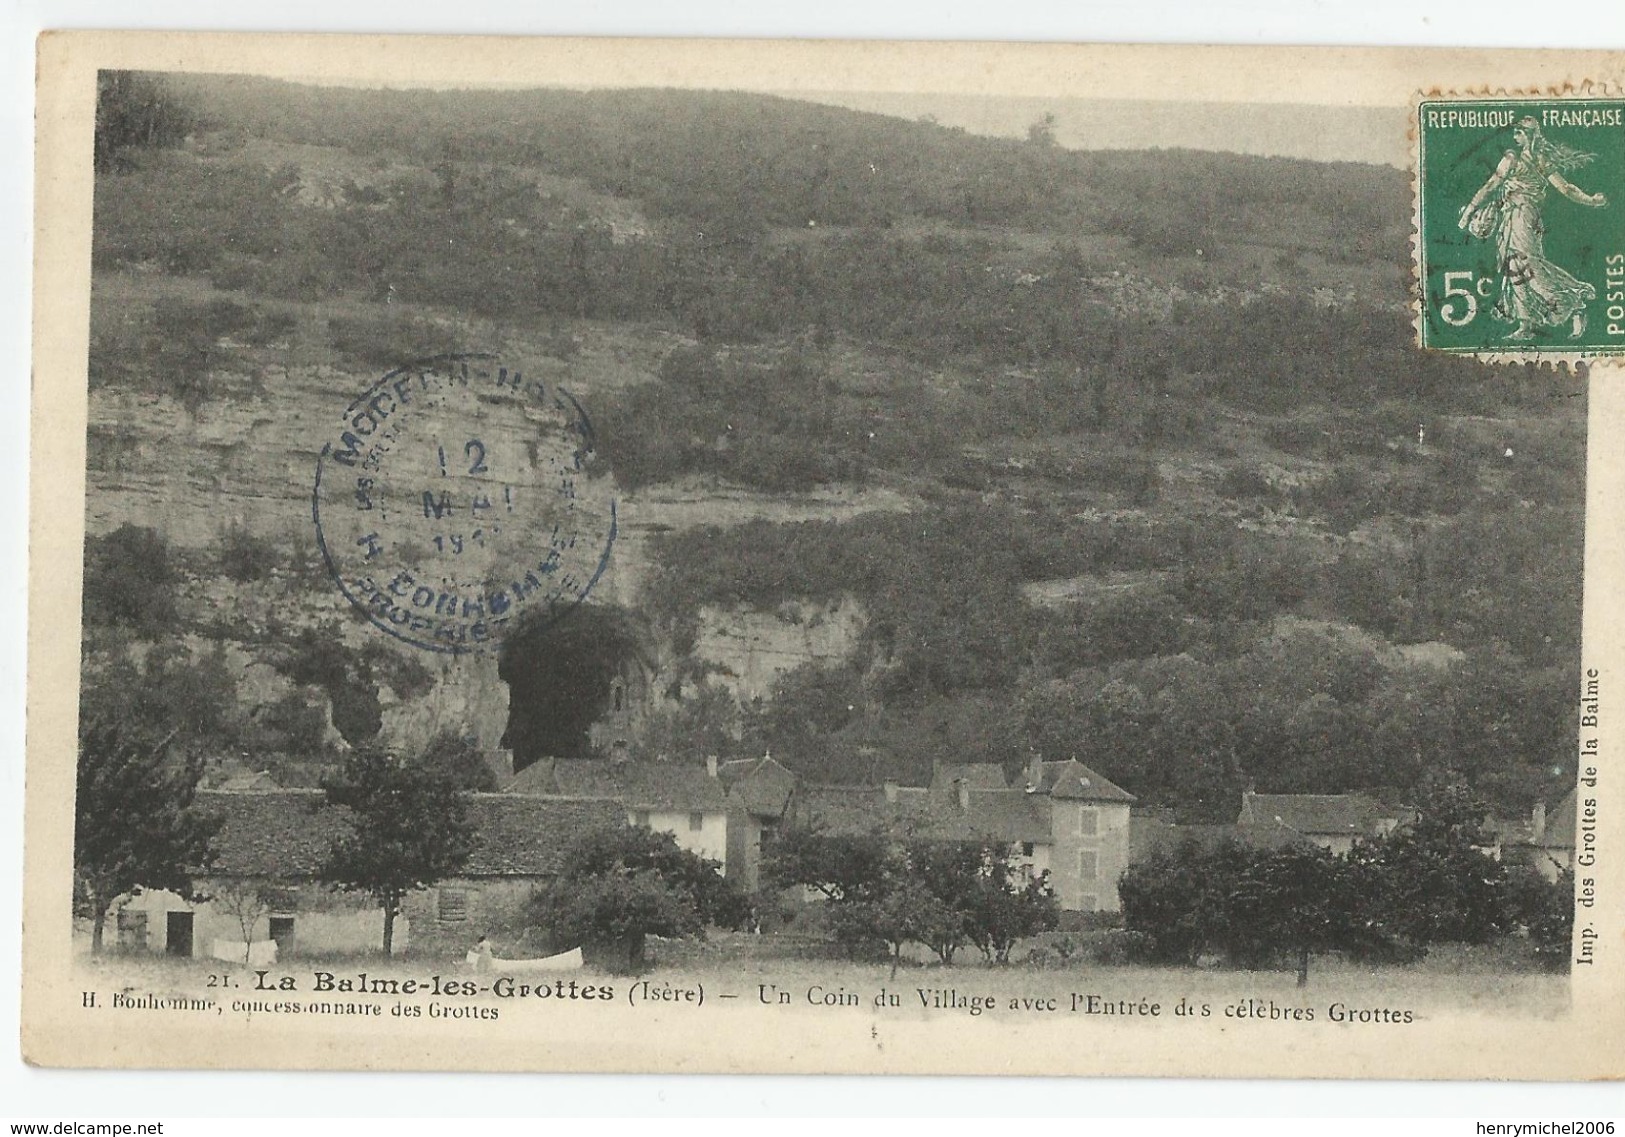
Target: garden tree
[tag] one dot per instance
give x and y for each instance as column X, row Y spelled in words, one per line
column 130, row 581
column 1545, row 909
column 842, row 866
column 617, row 887
column 1437, row 886
column 1007, row 905
column 951, row 871
column 245, row 901
column 1297, row 900
column 1178, row 898
column 408, row 828
column 136, row 825
column 458, row 757
column 901, row 910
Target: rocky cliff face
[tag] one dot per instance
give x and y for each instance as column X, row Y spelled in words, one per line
column 246, row 461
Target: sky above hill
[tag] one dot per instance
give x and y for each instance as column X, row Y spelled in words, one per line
column 1318, row 133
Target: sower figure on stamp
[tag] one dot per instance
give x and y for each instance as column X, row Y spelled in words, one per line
column 1534, row 291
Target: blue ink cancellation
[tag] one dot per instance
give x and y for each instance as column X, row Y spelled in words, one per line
column 455, row 497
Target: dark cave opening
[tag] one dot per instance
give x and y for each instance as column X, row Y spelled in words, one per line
column 560, row 673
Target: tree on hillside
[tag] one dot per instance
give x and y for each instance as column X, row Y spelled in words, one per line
column 617, row 887
column 1041, row 132
column 458, row 758
column 409, row 828
column 130, row 581
column 134, row 110
column 136, row 826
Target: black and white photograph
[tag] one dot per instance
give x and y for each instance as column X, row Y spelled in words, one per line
column 769, row 574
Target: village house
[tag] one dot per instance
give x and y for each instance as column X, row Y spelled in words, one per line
column 1332, row 821
column 1064, row 819
column 1545, row 842
column 269, row 852
column 686, row 800
column 759, row 794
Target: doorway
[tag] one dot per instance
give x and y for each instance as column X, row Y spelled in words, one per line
column 178, row 940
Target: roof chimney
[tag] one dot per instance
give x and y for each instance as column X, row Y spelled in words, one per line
column 1537, row 821
column 891, row 792
column 1035, row 770
column 962, row 790
column 711, row 765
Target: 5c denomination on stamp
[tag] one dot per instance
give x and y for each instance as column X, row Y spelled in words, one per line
column 454, row 496
column 1520, row 230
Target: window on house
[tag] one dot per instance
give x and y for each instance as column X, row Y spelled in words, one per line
column 1088, row 821
column 1088, row 864
column 132, row 928
column 640, row 817
column 618, row 694
column 1026, row 848
column 453, row 904
column 696, row 822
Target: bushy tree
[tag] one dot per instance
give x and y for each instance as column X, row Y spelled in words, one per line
column 408, row 828
column 902, row 910
column 1438, row 884
column 842, row 866
column 136, row 110
column 130, row 581
column 136, row 825
column 457, row 757
column 617, row 887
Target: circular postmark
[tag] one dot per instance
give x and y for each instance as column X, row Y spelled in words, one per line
column 453, row 498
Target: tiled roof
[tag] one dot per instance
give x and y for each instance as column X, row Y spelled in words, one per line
column 287, row 833
column 524, row 835
column 642, row 785
column 977, row 775
column 1314, row 814
column 1002, row 815
column 1151, row 833
column 283, row 833
column 761, row 785
column 1073, row 781
column 843, row 809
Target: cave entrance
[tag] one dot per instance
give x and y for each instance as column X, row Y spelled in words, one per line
column 564, row 674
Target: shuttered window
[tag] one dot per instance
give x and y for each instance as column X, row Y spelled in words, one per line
column 453, row 904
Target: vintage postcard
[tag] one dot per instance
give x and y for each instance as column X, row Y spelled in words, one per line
column 826, row 557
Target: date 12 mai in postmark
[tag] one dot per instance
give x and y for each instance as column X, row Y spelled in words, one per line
column 455, row 496
column 1520, row 242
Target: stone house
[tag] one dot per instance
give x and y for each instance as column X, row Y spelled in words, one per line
column 1546, row 842
column 759, row 791
column 269, row 852
column 1332, row 821
column 688, row 801
column 1065, row 819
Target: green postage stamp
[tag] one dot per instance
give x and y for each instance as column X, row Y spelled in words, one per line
column 1520, row 216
